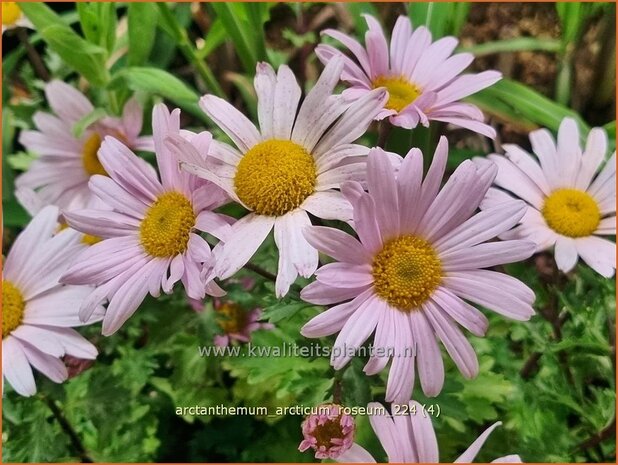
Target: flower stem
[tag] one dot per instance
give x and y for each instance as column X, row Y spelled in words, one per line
column 34, row 57
column 270, row 276
column 188, row 50
column 68, row 429
column 551, row 313
column 384, row 129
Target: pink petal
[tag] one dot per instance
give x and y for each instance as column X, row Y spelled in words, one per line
column 487, row 255
column 66, row 101
column 344, row 275
column 333, row 319
column 337, row 244
column 496, row 291
column 468, row 84
column 286, row 98
column 265, row 82
column 132, row 173
column 401, row 374
column 354, row 333
column 127, row 299
column 460, row 311
column 354, row 121
column 454, row 341
column 321, row 294
column 409, row 190
column 382, row 187
column 247, row 235
column 353, row 45
column 598, row 253
column 565, row 254
column 52, row 367
column 236, row 125
column 377, row 48
column 328, row 205
column 15, row 367
column 471, row 452
column 426, row 444
column 296, row 255
column 428, row 357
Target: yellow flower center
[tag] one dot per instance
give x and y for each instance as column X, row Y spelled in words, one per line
column 10, row 13
column 13, row 306
column 275, row 176
column 92, row 165
column 571, row 212
column 406, row 272
column 401, row 92
column 231, row 317
column 164, row 232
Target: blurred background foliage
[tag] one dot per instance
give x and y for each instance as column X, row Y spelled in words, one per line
column 551, row 381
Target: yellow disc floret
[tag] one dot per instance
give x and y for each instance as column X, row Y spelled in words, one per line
column 92, row 165
column 406, row 272
column 571, row 212
column 13, row 306
column 164, row 232
column 89, row 239
column 275, row 176
column 401, row 92
column 10, row 13
column 231, row 317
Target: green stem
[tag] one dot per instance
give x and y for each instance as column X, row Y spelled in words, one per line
column 68, row 429
column 188, row 50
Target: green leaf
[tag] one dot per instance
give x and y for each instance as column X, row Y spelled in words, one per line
column 216, row 36
column 143, row 18
column 159, row 82
column 436, row 16
column 258, row 13
column 13, row 213
column 357, row 9
column 98, row 22
column 244, row 84
column 525, row 102
column 81, row 125
column 238, row 31
column 284, row 309
column 518, row 44
column 572, row 17
column 84, row 57
column 8, row 132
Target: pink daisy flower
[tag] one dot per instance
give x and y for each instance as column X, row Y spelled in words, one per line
column 150, row 239
column 61, row 173
column 288, row 169
column 236, row 322
column 37, row 311
column 422, row 77
column 571, row 196
column 419, row 261
column 411, row 439
column 330, row 432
